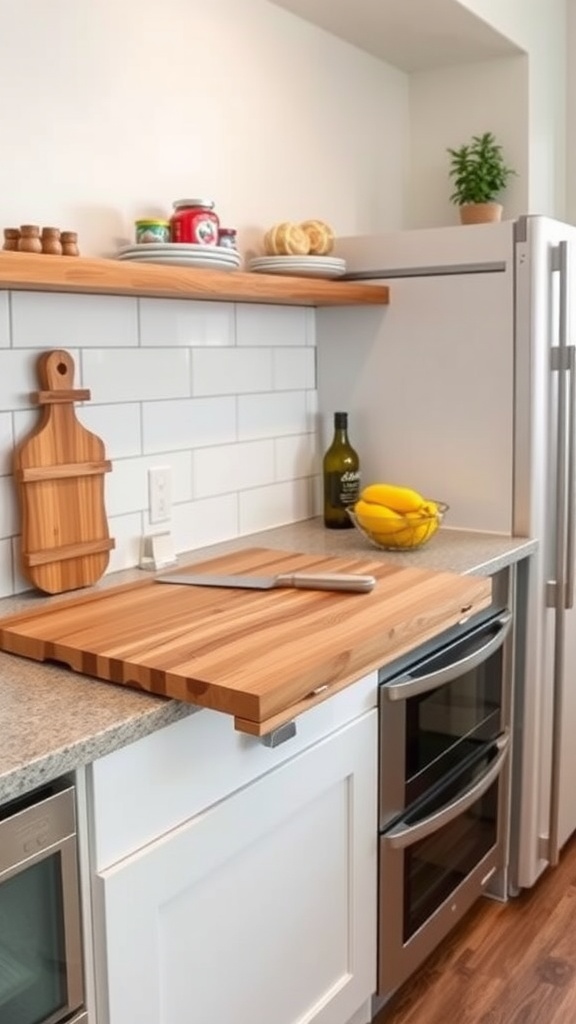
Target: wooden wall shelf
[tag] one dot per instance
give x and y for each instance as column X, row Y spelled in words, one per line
column 31, row 272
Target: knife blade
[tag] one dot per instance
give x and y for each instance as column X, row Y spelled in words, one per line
column 349, row 582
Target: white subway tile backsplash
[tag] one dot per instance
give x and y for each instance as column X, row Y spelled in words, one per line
column 232, row 467
column 199, row 523
column 224, row 395
column 61, row 320
column 6, row 579
column 231, row 371
column 126, row 531
column 118, row 426
column 4, row 319
column 265, row 507
column 130, row 375
column 8, row 507
column 191, row 423
column 294, row 368
column 271, row 415
column 296, row 457
column 186, row 322
column 18, row 378
column 271, row 325
column 127, row 484
column 6, row 443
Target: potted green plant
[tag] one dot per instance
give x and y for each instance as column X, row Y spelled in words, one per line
column 479, row 175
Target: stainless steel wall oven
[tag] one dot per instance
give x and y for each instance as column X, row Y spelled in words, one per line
column 41, row 970
column 445, row 724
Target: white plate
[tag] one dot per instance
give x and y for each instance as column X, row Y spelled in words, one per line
column 332, row 262
column 180, row 260
column 137, row 257
column 297, row 269
column 172, row 247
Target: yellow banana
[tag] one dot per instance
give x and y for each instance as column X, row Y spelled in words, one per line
column 400, row 499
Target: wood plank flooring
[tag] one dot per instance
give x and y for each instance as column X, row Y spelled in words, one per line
column 506, row 963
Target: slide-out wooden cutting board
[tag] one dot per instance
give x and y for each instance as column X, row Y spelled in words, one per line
column 58, row 470
column 258, row 655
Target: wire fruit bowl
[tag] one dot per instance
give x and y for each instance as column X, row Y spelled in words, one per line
column 405, row 533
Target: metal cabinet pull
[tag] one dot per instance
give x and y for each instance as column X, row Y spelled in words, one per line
column 284, row 732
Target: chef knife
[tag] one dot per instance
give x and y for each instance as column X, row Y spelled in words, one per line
column 303, row 580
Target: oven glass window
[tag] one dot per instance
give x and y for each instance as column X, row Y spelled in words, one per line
column 434, row 867
column 447, row 725
column 32, row 957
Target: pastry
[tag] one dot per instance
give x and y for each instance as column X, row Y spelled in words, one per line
column 320, row 235
column 286, row 239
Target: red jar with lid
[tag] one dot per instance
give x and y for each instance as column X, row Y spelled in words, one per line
column 194, row 221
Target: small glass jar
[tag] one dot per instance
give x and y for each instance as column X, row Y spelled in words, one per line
column 194, row 222
column 227, row 238
column 152, row 231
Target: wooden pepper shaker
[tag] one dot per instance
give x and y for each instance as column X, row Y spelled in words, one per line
column 51, row 245
column 29, row 240
column 69, row 241
column 11, row 238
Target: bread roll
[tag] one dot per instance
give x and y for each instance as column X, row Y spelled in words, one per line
column 320, row 235
column 286, row 239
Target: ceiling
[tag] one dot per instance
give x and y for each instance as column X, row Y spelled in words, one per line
column 413, row 35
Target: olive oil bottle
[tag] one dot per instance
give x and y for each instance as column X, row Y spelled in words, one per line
column 341, row 474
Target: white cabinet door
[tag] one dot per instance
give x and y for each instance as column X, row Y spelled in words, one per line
column 262, row 908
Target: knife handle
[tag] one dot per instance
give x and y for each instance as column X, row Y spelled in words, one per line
column 326, row 581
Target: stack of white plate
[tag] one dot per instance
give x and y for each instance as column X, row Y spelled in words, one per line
column 204, row 257
column 299, row 266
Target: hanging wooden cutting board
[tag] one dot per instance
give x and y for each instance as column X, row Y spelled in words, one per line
column 58, row 469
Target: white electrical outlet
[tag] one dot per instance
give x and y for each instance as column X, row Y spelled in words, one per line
column 160, row 494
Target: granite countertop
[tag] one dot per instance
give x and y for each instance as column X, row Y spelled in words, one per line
column 54, row 720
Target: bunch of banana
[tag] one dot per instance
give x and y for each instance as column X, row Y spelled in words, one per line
column 397, row 516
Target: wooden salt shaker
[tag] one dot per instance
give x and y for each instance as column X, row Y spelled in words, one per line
column 51, row 245
column 11, row 238
column 69, row 241
column 29, row 240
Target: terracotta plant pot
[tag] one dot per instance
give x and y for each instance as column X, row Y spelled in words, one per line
column 480, row 213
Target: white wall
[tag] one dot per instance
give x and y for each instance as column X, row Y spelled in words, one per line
column 111, row 110
column 447, row 107
column 571, row 114
column 539, row 26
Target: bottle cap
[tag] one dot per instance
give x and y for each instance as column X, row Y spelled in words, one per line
column 341, row 420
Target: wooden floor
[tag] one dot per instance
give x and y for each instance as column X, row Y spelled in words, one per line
column 506, row 963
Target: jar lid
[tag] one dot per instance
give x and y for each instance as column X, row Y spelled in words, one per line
column 153, row 221
column 179, row 204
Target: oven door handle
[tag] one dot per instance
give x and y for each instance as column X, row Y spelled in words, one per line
column 405, row 686
column 401, row 835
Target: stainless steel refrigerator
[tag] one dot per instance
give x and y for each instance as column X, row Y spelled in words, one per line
column 464, row 388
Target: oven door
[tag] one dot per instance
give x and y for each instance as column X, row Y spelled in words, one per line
column 41, row 977
column 437, row 710
column 437, row 860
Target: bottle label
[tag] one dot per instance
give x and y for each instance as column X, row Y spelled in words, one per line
column 343, row 488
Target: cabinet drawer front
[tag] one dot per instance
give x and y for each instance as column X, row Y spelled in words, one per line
column 180, row 770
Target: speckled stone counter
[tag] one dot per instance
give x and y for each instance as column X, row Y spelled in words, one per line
column 53, row 720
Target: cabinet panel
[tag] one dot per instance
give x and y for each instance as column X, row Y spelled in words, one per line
column 176, row 772
column 261, row 908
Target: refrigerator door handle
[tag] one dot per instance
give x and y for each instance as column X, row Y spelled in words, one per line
column 571, row 481
column 563, row 590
